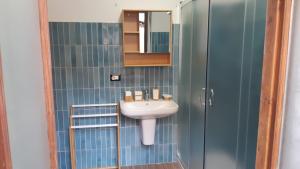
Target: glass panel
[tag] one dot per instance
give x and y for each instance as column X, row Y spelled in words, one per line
column 234, row 73
column 225, row 61
column 198, row 82
column 221, row 68
column 184, row 86
column 154, row 32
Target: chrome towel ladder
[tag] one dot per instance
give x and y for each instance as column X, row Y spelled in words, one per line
column 73, row 127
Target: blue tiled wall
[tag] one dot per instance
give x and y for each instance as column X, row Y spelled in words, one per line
column 83, row 57
column 160, row 41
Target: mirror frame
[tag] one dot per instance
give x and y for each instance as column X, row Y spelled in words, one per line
column 131, row 54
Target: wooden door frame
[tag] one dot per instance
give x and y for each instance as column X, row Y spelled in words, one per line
column 272, row 92
column 278, row 21
column 48, row 88
column 5, row 156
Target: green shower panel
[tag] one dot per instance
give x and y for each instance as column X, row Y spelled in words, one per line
column 219, row 85
column 184, row 86
column 235, row 52
column 198, row 82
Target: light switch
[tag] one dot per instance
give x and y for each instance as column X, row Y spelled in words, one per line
column 115, row 77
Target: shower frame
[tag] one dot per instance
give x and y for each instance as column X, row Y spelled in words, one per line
column 272, row 93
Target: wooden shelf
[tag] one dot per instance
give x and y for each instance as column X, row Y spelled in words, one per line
column 131, row 21
column 147, row 59
column 131, row 32
column 131, row 52
column 131, row 42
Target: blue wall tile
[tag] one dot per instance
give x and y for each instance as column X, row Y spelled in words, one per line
column 83, row 57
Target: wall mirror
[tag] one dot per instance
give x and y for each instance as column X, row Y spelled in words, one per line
column 154, row 32
column 147, row 37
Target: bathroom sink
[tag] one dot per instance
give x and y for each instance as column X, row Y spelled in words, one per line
column 148, row 109
column 147, row 112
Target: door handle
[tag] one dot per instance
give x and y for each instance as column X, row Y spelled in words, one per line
column 202, row 101
column 211, row 98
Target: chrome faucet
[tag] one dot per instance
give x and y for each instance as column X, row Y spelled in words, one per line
column 146, row 95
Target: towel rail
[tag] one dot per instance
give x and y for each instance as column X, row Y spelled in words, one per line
column 94, row 115
column 94, row 105
column 94, row 126
column 73, row 127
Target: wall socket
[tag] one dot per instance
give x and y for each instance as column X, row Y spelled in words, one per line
column 115, row 77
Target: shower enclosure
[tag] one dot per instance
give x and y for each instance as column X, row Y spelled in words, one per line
column 219, row 83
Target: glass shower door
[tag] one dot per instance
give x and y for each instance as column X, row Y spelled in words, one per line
column 219, row 84
column 198, row 82
column 235, row 52
column 184, row 86
column 192, row 83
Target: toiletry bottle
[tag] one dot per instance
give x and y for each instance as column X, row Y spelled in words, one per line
column 155, row 94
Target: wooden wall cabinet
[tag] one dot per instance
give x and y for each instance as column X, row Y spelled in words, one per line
column 132, row 55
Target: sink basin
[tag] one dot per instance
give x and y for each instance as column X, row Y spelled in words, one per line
column 148, row 109
column 147, row 112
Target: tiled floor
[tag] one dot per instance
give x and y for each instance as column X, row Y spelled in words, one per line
column 156, row 166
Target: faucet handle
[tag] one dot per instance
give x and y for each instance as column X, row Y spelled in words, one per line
column 146, row 94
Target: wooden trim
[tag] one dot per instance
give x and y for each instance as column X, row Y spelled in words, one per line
column 131, row 54
column 5, row 157
column 273, row 83
column 287, row 16
column 46, row 56
column 72, row 139
column 118, row 137
column 147, row 59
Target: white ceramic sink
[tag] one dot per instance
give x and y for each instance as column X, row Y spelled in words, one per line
column 148, row 109
column 148, row 112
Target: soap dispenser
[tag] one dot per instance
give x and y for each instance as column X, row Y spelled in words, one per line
column 155, row 94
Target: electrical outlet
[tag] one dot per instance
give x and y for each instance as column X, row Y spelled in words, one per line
column 115, row 77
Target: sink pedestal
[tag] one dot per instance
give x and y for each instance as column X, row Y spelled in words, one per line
column 148, row 131
column 147, row 112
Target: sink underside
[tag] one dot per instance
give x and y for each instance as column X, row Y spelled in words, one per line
column 148, row 112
